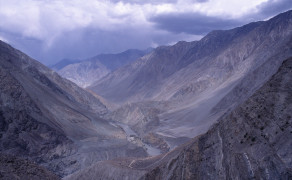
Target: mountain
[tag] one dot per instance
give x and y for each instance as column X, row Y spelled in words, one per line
column 177, row 92
column 187, row 68
column 52, row 121
column 85, row 72
column 251, row 142
column 16, row 168
column 64, row 62
column 218, row 108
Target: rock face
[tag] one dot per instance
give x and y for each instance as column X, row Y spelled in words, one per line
column 248, row 96
column 186, row 69
column 180, row 91
column 52, row 121
column 85, row 72
column 252, row 142
column 175, row 93
column 12, row 168
column 106, row 170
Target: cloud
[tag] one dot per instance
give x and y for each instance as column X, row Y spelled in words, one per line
column 87, row 42
column 196, row 22
column 4, row 39
column 50, row 30
column 155, row 2
column 145, row 2
column 47, row 20
column 273, row 7
column 192, row 23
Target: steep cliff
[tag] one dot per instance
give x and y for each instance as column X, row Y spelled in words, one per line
column 252, row 142
column 177, row 92
column 14, row 168
column 52, row 121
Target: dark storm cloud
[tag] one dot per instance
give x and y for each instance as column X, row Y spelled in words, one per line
column 272, row 8
column 192, row 23
column 85, row 43
column 196, row 23
column 50, row 31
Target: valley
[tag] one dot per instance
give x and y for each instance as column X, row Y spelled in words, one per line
column 216, row 108
column 191, row 88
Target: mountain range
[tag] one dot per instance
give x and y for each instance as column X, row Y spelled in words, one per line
column 177, row 92
column 217, row 108
column 252, row 142
column 51, row 120
column 85, row 72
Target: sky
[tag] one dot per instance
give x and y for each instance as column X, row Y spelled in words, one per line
column 51, row 30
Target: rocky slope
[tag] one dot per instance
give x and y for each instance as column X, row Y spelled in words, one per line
column 12, row 168
column 85, row 72
column 253, row 136
column 185, row 69
column 183, row 89
column 64, row 62
column 107, row 170
column 52, row 121
column 252, row 142
column 175, row 93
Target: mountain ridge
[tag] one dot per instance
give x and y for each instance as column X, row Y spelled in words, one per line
column 168, row 104
column 251, row 148
column 51, row 120
column 198, row 52
column 251, row 142
column 215, row 108
column 85, row 72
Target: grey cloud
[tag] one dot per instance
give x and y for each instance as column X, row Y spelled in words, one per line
column 87, row 42
column 155, row 1
column 201, row 1
column 273, row 7
column 145, row 2
column 196, row 23
column 192, row 23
